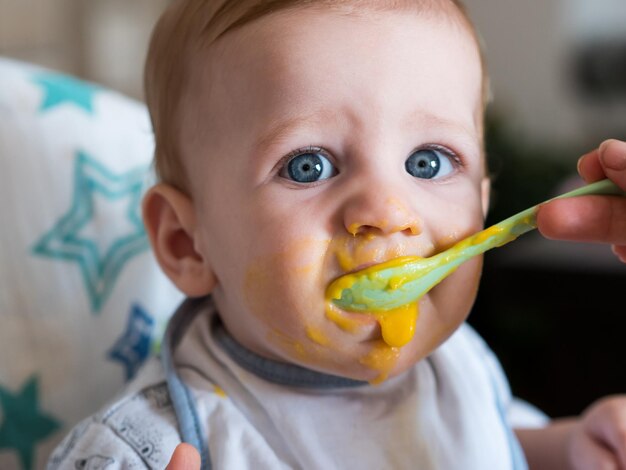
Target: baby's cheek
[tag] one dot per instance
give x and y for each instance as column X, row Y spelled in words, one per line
column 285, row 287
column 455, row 296
column 286, row 292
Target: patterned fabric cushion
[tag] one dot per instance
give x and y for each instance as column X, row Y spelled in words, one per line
column 82, row 301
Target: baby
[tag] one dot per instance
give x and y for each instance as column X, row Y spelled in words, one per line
column 297, row 141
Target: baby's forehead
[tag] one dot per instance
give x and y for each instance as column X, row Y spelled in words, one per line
column 215, row 46
column 270, row 35
column 192, row 37
column 272, row 49
column 233, row 14
column 283, row 50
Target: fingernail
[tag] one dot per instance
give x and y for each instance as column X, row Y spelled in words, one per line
column 580, row 160
column 578, row 163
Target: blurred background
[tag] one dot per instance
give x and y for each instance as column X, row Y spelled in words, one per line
column 553, row 312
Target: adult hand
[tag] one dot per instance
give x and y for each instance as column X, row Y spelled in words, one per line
column 598, row 441
column 592, row 218
column 185, row 457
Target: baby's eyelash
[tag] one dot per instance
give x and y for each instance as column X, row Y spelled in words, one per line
column 307, row 149
column 299, row 151
column 446, row 151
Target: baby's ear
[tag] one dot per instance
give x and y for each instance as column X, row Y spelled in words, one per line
column 170, row 222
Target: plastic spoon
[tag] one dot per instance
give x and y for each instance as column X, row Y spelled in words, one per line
column 401, row 281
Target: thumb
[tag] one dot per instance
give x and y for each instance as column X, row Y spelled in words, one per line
column 185, row 457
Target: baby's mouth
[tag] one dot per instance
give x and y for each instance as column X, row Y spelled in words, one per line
column 362, row 267
column 361, row 327
column 396, row 325
column 352, row 254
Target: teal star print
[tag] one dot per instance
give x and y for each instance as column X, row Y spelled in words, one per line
column 23, row 423
column 59, row 89
column 68, row 240
column 133, row 347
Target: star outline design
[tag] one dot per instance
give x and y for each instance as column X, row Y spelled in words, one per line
column 134, row 346
column 63, row 241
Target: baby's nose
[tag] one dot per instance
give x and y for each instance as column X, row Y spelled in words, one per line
column 374, row 213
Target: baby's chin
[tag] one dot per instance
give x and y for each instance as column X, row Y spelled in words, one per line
column 380, row 364
column 364, row 357
column 304, row 330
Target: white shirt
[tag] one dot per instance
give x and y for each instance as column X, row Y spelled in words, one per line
column 452, row 410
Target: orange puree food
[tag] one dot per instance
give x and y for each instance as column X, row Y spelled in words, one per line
column 381, row 358
column 397, row 325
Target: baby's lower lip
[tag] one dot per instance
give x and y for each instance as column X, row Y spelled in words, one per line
column 374, row 335
column 363, row 327
column 368, row 333
column 369, row 264
column 377, row 262
column 361, row 267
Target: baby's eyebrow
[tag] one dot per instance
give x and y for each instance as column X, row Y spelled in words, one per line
column 434, row 120
column 280, row 129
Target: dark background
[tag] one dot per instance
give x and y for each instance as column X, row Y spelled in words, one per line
column 553, row 312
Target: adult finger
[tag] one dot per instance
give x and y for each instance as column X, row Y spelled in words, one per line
column 584, row 219
column 185, row 457
column 590, row 168
column 607, row 161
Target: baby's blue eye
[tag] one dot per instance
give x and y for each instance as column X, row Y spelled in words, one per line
column 428, row 164
column 308, row 167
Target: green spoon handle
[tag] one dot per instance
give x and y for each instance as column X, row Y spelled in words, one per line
column 404, row 283
column 524, row 221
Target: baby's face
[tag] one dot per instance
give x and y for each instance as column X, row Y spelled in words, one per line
column 323, row 143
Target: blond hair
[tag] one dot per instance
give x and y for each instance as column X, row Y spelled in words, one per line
column 188, row 26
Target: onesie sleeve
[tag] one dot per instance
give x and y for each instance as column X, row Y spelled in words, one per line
column 138, row 432
column 93, row 445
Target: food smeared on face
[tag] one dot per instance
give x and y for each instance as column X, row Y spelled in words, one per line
column 313, row 176
column 381, row 358
column 397, row 324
